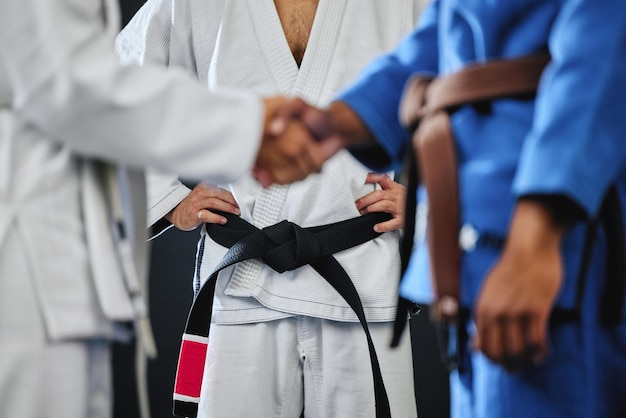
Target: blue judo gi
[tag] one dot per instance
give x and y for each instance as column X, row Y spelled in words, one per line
column 570, row 140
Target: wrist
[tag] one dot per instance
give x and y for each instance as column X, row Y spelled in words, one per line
column 169, row 216
column 349, row 125
column 533, row 228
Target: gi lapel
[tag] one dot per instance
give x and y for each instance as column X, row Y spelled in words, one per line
column 320, row 50
column 276, row 50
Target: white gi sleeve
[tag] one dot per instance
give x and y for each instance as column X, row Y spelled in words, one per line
column 59, row 72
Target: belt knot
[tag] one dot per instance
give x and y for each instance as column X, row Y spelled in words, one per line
column 291, row 246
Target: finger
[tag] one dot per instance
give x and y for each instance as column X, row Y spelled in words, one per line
column 224, row 195
column 383, row 205
column 207, row 216
column 489, row 334
column 283, row 113
column 277, row 125
column 292, row 169
column 311, row 160
column 328, row 147
column 184, row 219
column 318, row 152
column 291, row 156
column 536, row 339
column 214, row 203
column 294, row 108
column 514, row 355
column 513, row 339
column 387, row 183
column 317, row 122
column 205, row 193
column 298, row 154
column 492, row 338
column 379, row 178
column 263, row 176
column 369, row 199
column 285, row 166
column 388, row 226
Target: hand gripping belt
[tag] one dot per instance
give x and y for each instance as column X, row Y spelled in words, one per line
column 284, row 246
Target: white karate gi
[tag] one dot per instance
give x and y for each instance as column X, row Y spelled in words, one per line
column 65, row 102
column 242, row 44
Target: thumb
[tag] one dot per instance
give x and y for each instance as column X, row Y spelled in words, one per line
column 263, row 176
column 279, row 121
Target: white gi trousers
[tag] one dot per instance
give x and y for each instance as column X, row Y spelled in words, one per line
column 40, row 378
column 288, row 366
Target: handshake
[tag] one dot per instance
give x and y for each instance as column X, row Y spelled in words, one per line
column 298, row 138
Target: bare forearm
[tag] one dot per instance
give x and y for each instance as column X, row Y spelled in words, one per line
column 344, row 121
column 534, row 227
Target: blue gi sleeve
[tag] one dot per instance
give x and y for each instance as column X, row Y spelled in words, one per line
column 375, row 96
column 576, row 147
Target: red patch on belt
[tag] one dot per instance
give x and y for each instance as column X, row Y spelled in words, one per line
column 190, row 368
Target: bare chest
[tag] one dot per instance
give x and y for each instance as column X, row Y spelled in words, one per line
column 296, row 17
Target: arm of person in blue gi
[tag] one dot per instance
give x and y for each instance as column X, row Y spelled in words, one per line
column 573, row 151
column 364, row 117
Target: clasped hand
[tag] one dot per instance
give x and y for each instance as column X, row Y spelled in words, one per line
column 291, row 149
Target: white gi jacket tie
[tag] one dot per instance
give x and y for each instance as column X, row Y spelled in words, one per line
column 121, row 254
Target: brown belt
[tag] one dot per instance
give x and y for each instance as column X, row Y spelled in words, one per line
column 425, row 110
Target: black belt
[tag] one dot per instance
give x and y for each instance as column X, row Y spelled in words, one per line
column 284, row 246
